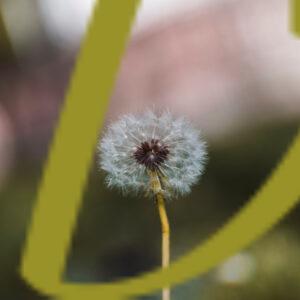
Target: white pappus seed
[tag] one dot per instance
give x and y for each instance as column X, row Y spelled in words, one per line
column 169, row 145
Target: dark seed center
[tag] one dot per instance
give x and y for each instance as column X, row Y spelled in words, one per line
column 151, row 154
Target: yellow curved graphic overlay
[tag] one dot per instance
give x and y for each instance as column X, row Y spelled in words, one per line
column 295, row 16
column 60, row 192
column 73, row 147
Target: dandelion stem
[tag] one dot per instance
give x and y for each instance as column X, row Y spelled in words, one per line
column 165, row 239
column 165, row 227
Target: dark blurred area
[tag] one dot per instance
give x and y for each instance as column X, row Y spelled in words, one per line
column 230, row 66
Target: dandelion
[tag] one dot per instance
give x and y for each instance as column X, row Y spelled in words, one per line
column 158, row 154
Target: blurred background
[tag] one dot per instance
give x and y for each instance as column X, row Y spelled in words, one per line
column 231, row 66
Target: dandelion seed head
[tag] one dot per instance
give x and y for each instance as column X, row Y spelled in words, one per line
column 168, row 145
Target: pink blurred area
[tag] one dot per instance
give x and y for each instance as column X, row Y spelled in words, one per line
column 228, row 66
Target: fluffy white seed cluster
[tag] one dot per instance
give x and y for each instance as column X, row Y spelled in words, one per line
column 162, row 143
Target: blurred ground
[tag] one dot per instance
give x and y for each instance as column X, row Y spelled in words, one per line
column 230, row 66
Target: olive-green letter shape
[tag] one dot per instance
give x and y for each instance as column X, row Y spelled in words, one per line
column 295, row 16
column 69, row 161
